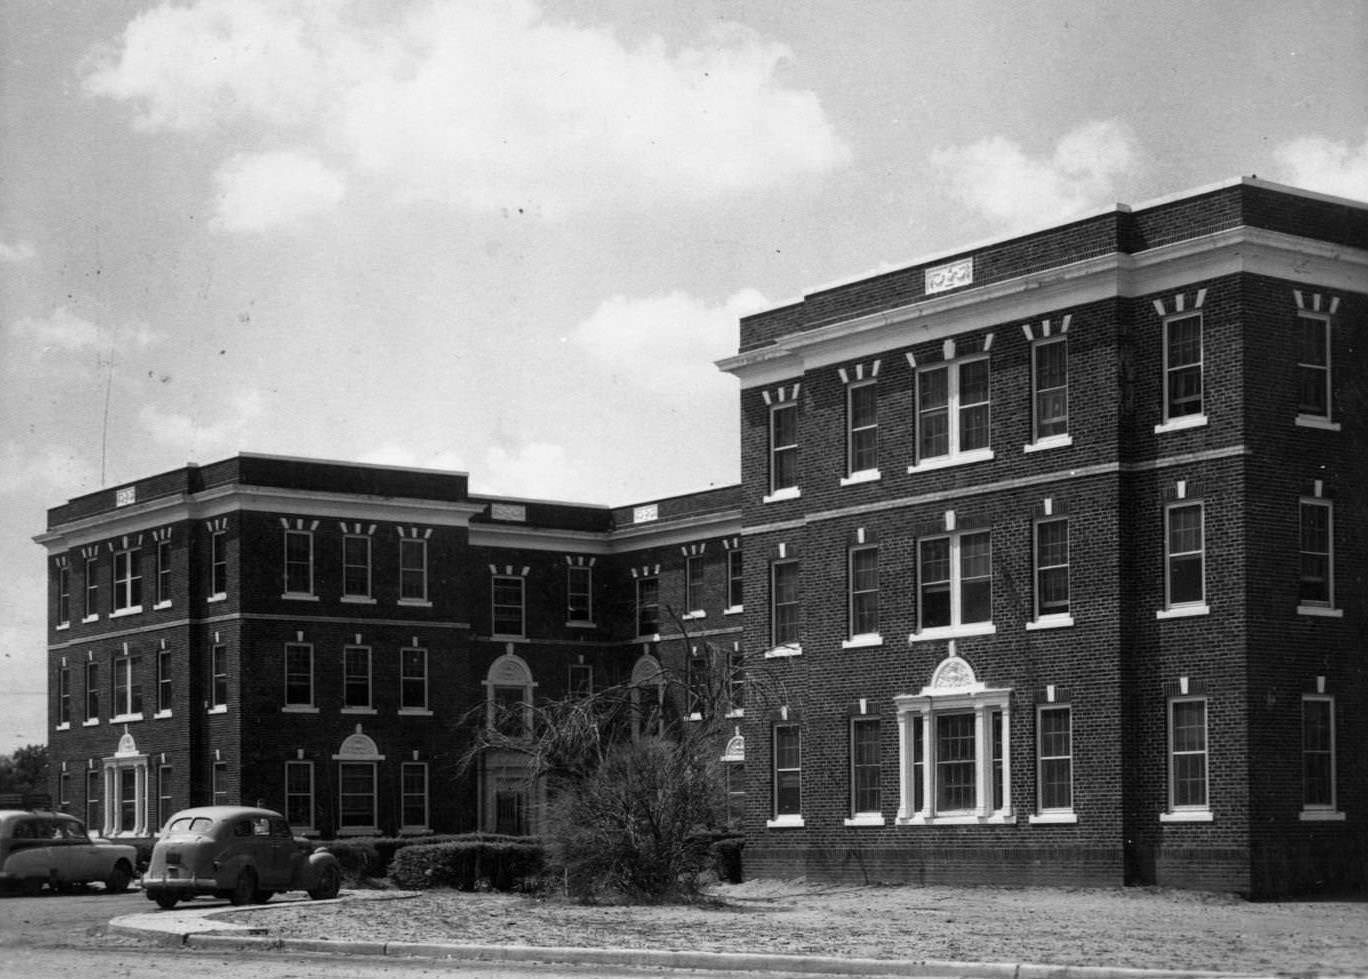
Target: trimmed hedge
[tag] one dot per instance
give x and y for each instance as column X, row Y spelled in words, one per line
column 370, row 856
column 474, row 862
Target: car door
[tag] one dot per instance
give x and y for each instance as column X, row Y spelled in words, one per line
column 79, row 860
column 278, row 849
column 31, row 856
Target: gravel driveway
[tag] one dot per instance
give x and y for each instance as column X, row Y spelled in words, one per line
column 1128, row 927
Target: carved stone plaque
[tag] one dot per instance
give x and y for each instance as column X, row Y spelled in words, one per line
column 952, row 276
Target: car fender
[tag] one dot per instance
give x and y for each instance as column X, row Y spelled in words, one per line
column 317, row 861
column 229, row 869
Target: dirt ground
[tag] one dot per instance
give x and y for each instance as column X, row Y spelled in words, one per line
column 1126, row 927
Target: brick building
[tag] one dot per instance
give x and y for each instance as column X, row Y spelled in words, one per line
column 1055, row 550
column 1064, row 540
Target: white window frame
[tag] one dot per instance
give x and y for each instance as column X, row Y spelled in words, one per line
column 165, row 682
column 291, row 679
column 1044, row 813
column 1326, row 606
column 855, row 473
column 641, row 605
column 1172, row 422
column 92, row 693
column 63, row 596
column 1316, row 419
column 1186, row 607
column 300, row 764
column 736, row 581
column 579, row 584
column 954, row 455
column 349, row 679
column 92, row 589
column 164, row 805
column 580, row 679
column 218, row 783
column 358, row 829
column 1320, row 811
column 785, row 645
column 694, row 568
column 918, row 716
column 163, row 574
column 856, row 637
column 347, row 566
column 1053, row 619
column 406, row 679
column 64, row 698
column 218, row 565
column 1051, row 440
column 779, row 489
column 495, row 605
column 957, row 626
column 126, row 582
column 308, row 564
column 865, row 816
column 405, row 768
column 793, row 818
column 1188, row 811
column 218, row 678
column 124, row 686
column 406, row 569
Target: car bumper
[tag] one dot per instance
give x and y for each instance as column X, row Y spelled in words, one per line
column 180, row 885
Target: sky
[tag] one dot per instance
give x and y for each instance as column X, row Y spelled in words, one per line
column 512, row 238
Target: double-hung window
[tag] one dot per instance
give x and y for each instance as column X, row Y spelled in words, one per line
column 953, row 413
column 1313, row 367
column 1052, row 572
column 127, row 688
column 735, row 580
column 1184, row 559
column 299, row 795
column 866, row 802
column 92, row 693
column 1183, row 371
column 413, row 784
column 1054, row 760
column 356, row 566
column 506, row 595
column 299, row 676
column 356, row 797
column 784, row 605
column 788, row 775
column 92, row 588
column 693, row 585
column 1318, row 757
column 1050, row 382
column 955, row 760
column 127, row 581
column 356, row 678
column 579, row 593
column 163, row 573
column 413, row 680
column 218, row 783
column 165, row 689
column 64, row 697
column 862, row 430
column 1317, row 585
column 299, row 578
column 863, row 603
column 1187, row 737
column 955, row 581
column 412, row 570
column 218, row 678
column 63, row 596
column 648, row 606
column 784, row 449
column 218, row 564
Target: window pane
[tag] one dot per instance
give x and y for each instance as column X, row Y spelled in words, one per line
column 955, row 766
column 933, row 420
column 1317, row 753
column 864, row 750
column 935, row 583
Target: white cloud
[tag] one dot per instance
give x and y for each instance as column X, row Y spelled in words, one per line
column 667, row 345
column 477, row 104
column 1322, row 164
column 404, row 457
column 537, row 470
column 66, row 332
column 997, row 179
column 17, row 251
column 224, row 437
column 45, row 469
column 257, row 191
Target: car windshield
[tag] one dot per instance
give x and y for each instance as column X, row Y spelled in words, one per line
column 189, row 826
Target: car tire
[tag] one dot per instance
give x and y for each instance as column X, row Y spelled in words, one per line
column 166, row 899
column 245, row 888
column 261, row 897
column 119, row 878
column 329, row 883
column 32, row 886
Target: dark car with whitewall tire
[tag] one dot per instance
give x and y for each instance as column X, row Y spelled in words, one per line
column 52, row 849
column 244, row 854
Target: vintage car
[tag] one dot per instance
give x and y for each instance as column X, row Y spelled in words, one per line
column 237, row 852
column 52, row 848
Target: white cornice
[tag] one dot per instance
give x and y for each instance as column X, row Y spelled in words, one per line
column 1243, row 249
column 632, row 538
column 539, row 538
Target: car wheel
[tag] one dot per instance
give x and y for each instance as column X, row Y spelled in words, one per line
column 329, row 883
column 119, row 878
column 166, row 899
column 261, row 897
column 245, row 888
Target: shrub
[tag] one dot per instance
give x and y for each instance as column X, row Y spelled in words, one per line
column 503, row 863
column 726, row 858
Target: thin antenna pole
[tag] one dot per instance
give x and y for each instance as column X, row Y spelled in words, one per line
column 104, row 431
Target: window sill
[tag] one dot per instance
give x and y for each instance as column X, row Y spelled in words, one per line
column 414, row 712
column 63, row 626
column 866, row 640
column 1053, row 819
column 1187, row 816
column 785, row 822
column 357, row 600
column 1180, row 423
column 1183, row 611
column 508, row 636
column 779, row 495
column 298, row 709
column 866, row 819
column 863, row 476
column 945, row 462
column 222, row 596
column 960, row 819
column 786, row 649
column 696, row 614
column 161, row 715
column 647, row 637
column 91, row 618
column 294, row 596
column 363, row 711
column 415, row 603
column 733, row 610
column 120, row 613
column 1316, row 421
column 220, row 709
column 1048, row 442
column 359, row 831
column 580, row 624
column 1320, row 611
column 93, row 722
column 1321, row 816
column 126, row 718
column 953, row 632
column 1062, row 621
column 63, row 727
